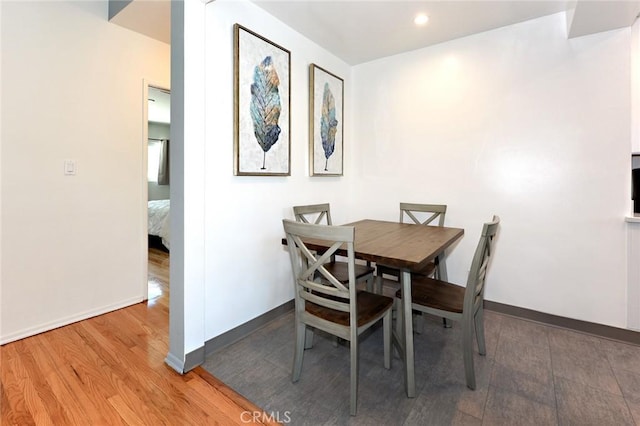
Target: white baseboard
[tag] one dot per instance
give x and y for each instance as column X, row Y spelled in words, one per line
column 32, row 331
column 174, row 362
column 633, row 273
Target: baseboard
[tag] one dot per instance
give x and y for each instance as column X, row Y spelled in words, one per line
column 32, row 331
column 608, row 332
column 174, row 362
column 600, row 330
column 194, row 359
column 245, row 329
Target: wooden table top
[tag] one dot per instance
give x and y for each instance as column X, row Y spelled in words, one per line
column 401, row 245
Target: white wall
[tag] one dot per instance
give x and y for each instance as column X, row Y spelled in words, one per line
column 1, row 209
column 247, row 271
column 72, row 88
column 635, row 87
column 187, row 304
column 518, row 121
column 523, row 123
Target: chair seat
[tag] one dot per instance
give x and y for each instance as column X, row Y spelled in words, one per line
column 427, row 271
column 370, row 307
column 340, row 270
column 436, row 294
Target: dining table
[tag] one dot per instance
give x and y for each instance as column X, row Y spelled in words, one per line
column 407, row 247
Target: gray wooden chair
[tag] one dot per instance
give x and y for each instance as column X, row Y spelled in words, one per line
column 463, row 304
column 333, row 306
column 321, row 214
column 420, row 214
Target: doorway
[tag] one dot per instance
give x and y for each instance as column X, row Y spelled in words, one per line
column 157, row 185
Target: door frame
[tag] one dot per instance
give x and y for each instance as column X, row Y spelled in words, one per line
column 146, row 83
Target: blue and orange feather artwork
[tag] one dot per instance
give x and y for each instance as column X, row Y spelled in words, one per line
column 328, row 124
column 265, row 105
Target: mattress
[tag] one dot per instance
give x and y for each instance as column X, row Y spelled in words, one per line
column 159, row 220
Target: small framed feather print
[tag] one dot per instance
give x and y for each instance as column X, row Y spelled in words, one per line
column 326, row 120
column 262, row 106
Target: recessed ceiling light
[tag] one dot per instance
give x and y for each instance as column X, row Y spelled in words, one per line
column 421, row 19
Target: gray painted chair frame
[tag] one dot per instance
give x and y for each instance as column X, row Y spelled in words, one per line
column 321, row 303
column 431, row 296
column 436, row 269
column 438, row 211
column 305, row 214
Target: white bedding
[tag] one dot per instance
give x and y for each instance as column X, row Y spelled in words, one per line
column 159, row 220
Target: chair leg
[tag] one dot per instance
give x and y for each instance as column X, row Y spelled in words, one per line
column 308, row 338
column 467, row 350
column 397, row 307
column 370, row 284
column 299, row 350
column 386, row 331
column 479, row 323
column 354, row 375
column 378, row 284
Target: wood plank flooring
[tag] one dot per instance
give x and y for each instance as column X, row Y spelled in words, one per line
column 110, row 370
column 533, row 374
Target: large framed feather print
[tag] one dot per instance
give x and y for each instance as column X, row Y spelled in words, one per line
column 262, row 93
column 326, row 121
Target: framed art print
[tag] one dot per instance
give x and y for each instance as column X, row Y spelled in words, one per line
column 262, row 106
column 326, row 122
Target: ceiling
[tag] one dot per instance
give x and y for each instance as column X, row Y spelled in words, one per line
column 359, row 31
column 149, row 17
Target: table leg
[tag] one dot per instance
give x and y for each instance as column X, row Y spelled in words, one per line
column 407, row 337
column 442, row 268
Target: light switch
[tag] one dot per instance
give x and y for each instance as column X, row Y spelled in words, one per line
column 70, row 167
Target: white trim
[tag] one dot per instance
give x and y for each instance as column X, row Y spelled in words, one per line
column 1, row 174
column 174, row 362
column 144, row 249
column 632, row 219
column 145, row 182
column 32, row 331
column 633, row 273
column 635, row 86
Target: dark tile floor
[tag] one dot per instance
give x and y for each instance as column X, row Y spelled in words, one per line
column 532, row 375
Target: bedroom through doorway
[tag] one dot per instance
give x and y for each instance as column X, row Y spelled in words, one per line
column 158, row 194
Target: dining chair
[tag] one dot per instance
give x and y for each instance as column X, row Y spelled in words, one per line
column 420, row 214
column 330, row 305
column 463, row 304
column 321, row 214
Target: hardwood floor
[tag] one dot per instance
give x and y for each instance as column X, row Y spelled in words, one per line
column 110, row 370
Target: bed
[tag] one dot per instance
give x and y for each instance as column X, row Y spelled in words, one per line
column 159, row 220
